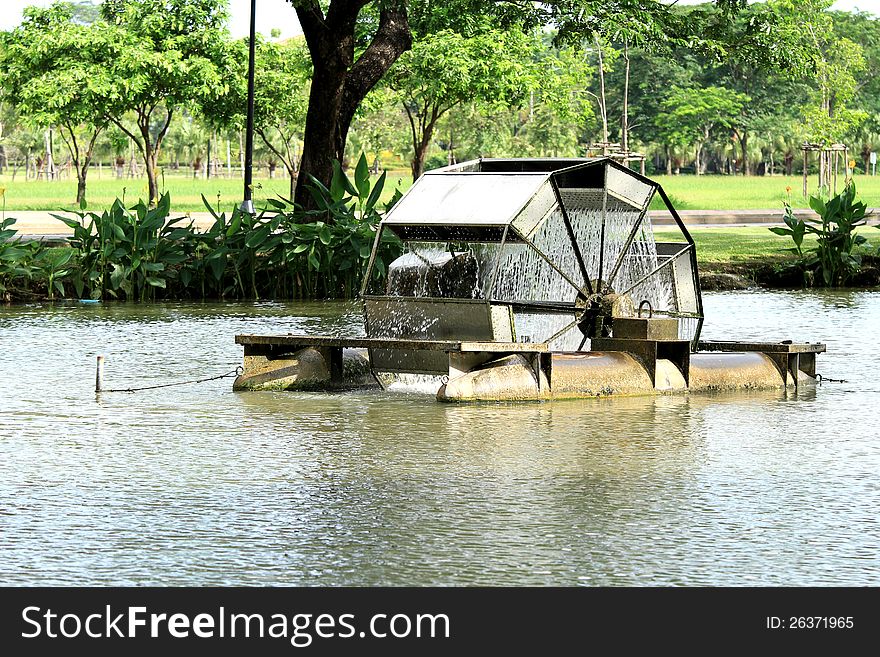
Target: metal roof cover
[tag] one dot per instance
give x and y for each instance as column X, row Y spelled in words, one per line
column 465, row 199
column 494, row 193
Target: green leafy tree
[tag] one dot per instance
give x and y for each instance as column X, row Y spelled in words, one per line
column 863, row 29
column 768, row 54
column 560, row 111
column 164, row 55
column 447, row 69
column 53, row 70
column 830, row 118
column 281, row 100
column 690, row 115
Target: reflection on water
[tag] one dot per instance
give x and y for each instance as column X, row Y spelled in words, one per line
column 200, row 485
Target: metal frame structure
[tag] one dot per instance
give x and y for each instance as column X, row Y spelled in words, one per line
column 508, row 201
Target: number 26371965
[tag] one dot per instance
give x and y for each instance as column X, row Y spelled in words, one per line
column 810, row 623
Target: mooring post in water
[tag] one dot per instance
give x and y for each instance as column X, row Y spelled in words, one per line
column 99, row 374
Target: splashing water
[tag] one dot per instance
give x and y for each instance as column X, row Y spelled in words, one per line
column 617, row 245
column 411, row 384
column 461, row 270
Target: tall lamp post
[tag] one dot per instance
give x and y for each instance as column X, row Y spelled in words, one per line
column 247, row 205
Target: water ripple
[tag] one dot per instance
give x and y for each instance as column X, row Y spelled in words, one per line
column 200, row 485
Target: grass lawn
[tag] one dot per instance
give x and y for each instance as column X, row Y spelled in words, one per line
column 750, row 193
column 744, row 244
column 185, row 191
column 687, row 192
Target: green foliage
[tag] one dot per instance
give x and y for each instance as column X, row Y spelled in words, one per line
column 125, row 253
column 830, row 120
column 140, row 254
column 163, row 55
column 16, row 258
column 285, row 252
column 54, row 265
column 345, row 242
column 512, row 92
column 493, row 68
column 53, row 69
column 690, row 115
column 27, row 264
column 281, row 93
column 796, row 229
column 833, row 260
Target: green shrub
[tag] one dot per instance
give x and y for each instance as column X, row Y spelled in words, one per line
column 279, row 252
column 834, row 259
column 19, row 261
column 127, row 253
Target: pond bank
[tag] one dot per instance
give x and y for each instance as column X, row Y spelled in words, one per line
column 775, row 273
column 768, row 274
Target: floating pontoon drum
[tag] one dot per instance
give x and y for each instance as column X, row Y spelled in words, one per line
column 530, row 279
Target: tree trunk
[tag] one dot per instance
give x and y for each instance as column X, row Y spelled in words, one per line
column 450, row 153
column 81, row 186
column 743, row 145
column 148, row 147
column 50, row 160
column 150, row 158
column 82, row 170
column 339, row 83
column 420, row 151
column 424, row 124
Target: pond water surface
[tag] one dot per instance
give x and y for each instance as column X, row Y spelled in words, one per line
column 200, row 485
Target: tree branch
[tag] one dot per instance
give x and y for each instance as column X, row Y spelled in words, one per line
column 164, row 131
column 136, row 139
column 311, row 20
column 392, row 38
column 87, row 158
column 412, row 125
column 272, row 148
column 71, row 145
column 344, row 12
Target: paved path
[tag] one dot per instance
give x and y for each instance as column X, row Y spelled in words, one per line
column 39, row 223
column 42, row 225
column 718, row 218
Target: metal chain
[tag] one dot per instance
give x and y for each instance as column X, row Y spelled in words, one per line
column 825, row 379
column 236, row 372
